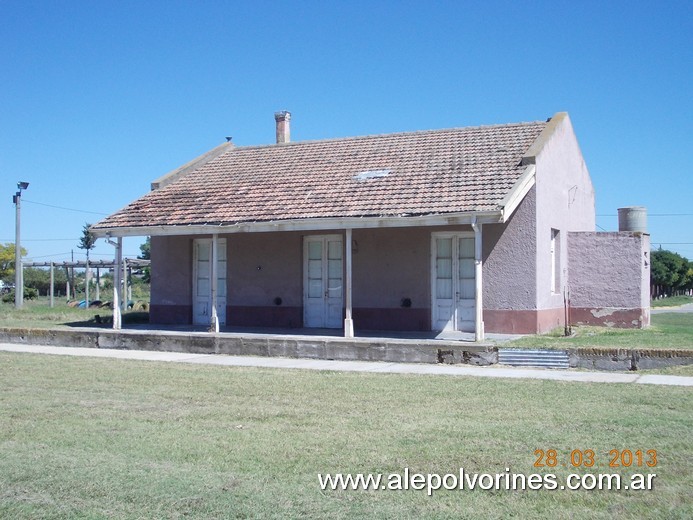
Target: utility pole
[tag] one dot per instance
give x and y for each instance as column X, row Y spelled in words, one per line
column 72, row 275
column 18, row 270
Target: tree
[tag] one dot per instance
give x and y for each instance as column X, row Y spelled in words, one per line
column 7, row 261
column 40, row 279
column 145, row 254
column 87, row 241
column 670, row 273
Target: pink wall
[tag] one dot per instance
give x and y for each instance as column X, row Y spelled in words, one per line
column 171, row 299
column 265, row 266
column 391, row 264
column 518, row 296
column 509, row 269
column 565, row 201
column 172, row 278
column 610, row 278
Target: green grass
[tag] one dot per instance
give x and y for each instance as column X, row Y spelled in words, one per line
column 39, row 314
column 97, row 438
column 677, row 370
column 674, row 301
column 668, row 330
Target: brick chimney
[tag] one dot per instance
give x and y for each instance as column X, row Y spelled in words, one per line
column 283, row 130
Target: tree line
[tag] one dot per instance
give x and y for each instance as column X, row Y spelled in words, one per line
column 670, row 274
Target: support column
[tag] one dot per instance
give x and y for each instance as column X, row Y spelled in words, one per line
column 98, row 284
column 124, row 279
column 86, row 283
column 117, row 316
column 52, row 290
column 214, row 282
column 478, row 288
column 348, row 321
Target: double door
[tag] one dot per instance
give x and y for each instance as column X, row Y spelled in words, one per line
column 323, row 280
column 453, row 282
column 202, row 281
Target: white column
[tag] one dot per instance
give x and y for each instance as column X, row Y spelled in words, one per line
column 117, row 316
column 348, row 321
column 86, row 283
column 52, row 290
column 214, row 282
column 478, row 289
column 124, row 279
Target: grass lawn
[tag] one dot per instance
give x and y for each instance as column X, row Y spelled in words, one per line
column 99, row 438
column 674, row 301
column 40, row 315
column 668, row 330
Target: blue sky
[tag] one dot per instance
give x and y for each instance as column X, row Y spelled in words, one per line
column 100, row 98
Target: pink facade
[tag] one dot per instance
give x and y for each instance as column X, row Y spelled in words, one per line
column 610, row 279
column 516, row 200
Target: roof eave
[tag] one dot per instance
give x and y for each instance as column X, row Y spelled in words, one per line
column 518, row 192
column 316, row 224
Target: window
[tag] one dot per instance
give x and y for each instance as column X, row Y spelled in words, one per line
column 555, row 261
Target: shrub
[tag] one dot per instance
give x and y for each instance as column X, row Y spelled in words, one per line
column 29, row 294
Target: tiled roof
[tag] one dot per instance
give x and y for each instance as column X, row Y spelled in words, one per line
column 405, row 174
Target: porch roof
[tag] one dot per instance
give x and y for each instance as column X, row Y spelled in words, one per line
column 416, row 178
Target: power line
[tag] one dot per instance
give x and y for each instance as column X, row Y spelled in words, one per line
column 652, row 215
column 66, row 209
column 41, row 239
column 46, row 256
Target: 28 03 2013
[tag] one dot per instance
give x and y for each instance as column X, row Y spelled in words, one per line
column 588, row 458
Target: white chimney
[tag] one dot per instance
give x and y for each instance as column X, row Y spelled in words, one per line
column 283, row 130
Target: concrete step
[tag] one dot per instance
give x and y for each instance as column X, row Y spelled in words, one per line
column 533, row 358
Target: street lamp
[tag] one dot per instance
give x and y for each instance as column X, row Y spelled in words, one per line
column 18, row 271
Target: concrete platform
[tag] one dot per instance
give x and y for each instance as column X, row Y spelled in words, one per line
column 256, row 342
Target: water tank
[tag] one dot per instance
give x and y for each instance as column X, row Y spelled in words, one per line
column 632, row 218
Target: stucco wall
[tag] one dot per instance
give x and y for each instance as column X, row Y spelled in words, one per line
column 172, row 275
column 265, row 266
column 610, row 278
column 171, row 298
column 391, row 264
column 564, row 201
column 509, row 256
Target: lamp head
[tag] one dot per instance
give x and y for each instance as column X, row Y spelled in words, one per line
column 22, row 185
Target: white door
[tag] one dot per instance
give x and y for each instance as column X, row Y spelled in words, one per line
column 202, row 281
column 323, row 270
column 453, row 284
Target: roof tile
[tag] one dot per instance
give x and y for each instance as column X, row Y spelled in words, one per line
column 431, row 172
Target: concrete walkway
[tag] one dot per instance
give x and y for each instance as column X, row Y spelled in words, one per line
column 355, row 366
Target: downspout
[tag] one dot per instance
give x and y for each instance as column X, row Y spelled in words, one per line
column 214, row 325
column 348, row 321
column 478, row 285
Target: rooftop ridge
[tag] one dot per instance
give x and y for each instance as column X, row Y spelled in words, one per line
column 384, row 135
